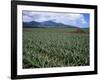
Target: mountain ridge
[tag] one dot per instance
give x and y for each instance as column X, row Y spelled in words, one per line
column 45, row 24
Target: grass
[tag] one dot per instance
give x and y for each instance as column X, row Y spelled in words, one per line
column 55, row 47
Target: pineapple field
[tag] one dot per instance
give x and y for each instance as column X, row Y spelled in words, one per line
column 55, row 47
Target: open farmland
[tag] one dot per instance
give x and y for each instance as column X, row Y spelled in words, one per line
column 55, row 47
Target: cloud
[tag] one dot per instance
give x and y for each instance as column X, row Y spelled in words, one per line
column 75, row 19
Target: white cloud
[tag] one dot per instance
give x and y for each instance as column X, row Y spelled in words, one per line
column 27, row 18
column 65, row 18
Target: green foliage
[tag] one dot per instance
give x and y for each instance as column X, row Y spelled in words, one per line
column 54, row 47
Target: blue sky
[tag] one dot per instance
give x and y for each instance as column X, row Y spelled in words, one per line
column 81, row 20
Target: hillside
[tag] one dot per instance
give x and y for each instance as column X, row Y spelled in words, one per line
column 45, row 24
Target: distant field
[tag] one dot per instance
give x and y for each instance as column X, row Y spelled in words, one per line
column 55, row 47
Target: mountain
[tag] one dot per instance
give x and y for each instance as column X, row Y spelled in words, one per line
column 45, row 24
column 30, row 24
